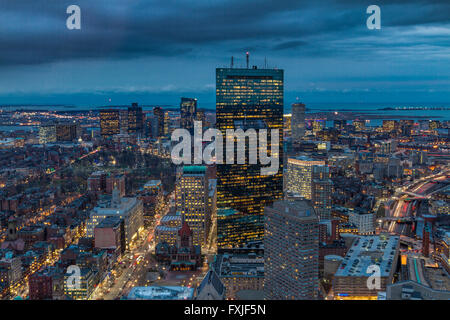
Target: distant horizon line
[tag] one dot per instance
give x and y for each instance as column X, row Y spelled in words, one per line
column 172, row 105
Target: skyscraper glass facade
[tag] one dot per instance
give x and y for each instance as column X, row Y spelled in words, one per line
column 188, row 112
column 247, row 99
column 109, row 122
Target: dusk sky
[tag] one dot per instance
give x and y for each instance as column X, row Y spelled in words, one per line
column 155, row 51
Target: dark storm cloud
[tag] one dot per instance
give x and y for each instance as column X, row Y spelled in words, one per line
column 34, row 30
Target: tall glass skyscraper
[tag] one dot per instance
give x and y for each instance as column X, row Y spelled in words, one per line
column 247, row 99
column 135, row 119
column 109, row 122
column 298, row 122
column 188, row 113
column 159, row 114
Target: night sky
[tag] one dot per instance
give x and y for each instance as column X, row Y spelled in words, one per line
column 156, row 51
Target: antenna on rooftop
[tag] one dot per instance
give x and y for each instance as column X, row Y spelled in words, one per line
column 232, row 62
column 247, row 55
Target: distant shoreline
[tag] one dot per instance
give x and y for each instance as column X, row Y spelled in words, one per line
column 414, row 109
column 311, row 113
column 348, row 115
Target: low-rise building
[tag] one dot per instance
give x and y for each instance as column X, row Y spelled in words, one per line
column 110, row 234
column 366, row 256
column 411, row 290
column 363, row 221
column 80, row 288
column 241, row 269
column 128, row 209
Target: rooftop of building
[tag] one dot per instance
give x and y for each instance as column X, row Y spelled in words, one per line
column 254, row 70
column 97, row 173
column 246, row 263
column 109, row 222
column 108, row 207
column 380, row 250
column 171, row 217
column 358, row 211
column 194, row 170
column 213, row 279
column 84, row 272
column 293, row 207
column 166, row 229
column 305, row 160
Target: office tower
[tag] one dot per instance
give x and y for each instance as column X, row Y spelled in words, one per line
column 67, row 131
column 390, row 125
column 434, row 124
column 47, row 133
column 151, row 125
column 123, row 121
column 363, row 220
column 135, row 119
column 192, row 201
column 339, row 124
column 418, row 157
column 129, row 209
column 159, row 123
column 109, row 234
column 359, row 125
column 386, row 146
column 329, row 134
column 287, row 127
column 188, row 113
column 248, row 99
column 87, row 279
column 152, row 196
column 291, row 245
column 233, row 226
column 298, row 122
column 166, row 125
column 200, row 116
column 406, row 126
column 167, row 229
column 394, row 168
column 109, row 122
column 318, row 125
column 300, row 175
column 321, row 191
